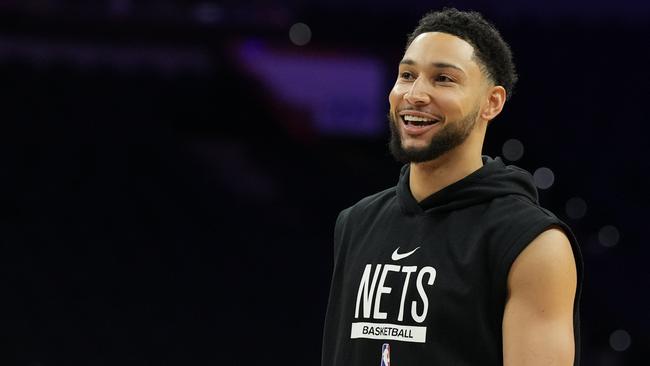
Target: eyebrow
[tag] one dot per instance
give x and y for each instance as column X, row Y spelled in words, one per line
column 440, row 65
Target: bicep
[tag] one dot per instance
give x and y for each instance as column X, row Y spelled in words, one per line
column 538, row 317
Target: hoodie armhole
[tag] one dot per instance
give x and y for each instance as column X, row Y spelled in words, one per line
column 518, row 246
column 501, row 276
column 525, row 238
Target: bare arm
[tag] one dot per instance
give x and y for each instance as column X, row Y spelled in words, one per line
column 538, row 317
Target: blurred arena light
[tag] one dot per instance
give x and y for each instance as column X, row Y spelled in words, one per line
column 620, row 340
column 300, row 34
column 544, row 178
column 120, row 8
column 513, row 150
column 207, row 13
column 608, row 236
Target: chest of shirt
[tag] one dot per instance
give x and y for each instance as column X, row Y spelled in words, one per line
column 416, row 271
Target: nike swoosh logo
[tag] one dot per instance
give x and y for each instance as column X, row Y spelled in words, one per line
column 396, row 256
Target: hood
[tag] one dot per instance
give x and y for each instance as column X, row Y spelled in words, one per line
column 494, row 179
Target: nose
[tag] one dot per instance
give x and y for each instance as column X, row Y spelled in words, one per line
column 417, row 93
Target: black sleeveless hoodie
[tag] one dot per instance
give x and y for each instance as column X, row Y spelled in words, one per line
column 429, row 279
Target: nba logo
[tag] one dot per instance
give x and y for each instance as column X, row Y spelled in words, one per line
column 385, row 355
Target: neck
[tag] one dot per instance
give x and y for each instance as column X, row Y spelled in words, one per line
column 431, row 176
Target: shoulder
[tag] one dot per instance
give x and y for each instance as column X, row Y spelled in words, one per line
column 368, row 208
column 360, row 214
column 548, row 254
column 546, row 267
column 377, row 199
column 515, row 221
column 520, row 225
column 372, row 203
column 519, row 208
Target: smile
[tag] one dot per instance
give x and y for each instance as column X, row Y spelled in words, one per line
column 417, row 123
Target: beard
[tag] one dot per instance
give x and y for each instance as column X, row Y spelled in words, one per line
column 450, row 136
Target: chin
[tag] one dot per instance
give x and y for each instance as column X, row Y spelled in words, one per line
column 415, row 146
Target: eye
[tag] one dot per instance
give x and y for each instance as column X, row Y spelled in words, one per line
column 444, row 79
column 406, row 75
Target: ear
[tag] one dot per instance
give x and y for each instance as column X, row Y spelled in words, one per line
column 496, row 98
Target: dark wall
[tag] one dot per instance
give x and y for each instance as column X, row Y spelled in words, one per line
column 168, row 207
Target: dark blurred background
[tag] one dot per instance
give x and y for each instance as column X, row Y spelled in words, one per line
column 170, row 171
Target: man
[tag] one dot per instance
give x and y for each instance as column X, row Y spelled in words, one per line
column 458, row 264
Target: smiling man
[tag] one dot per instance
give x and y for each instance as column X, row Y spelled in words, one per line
column 457, row 264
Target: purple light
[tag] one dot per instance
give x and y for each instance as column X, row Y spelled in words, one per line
column 344, row 95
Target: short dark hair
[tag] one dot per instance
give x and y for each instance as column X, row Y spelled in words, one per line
column 493, row 53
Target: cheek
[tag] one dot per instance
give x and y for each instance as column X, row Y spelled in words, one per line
column 395, row 96
column 450, row 102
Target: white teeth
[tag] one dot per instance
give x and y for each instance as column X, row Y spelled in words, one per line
column 410, row 118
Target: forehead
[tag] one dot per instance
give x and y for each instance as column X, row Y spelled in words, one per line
column 438, row 47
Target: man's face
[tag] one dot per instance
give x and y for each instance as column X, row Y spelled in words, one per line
column 436, row 99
